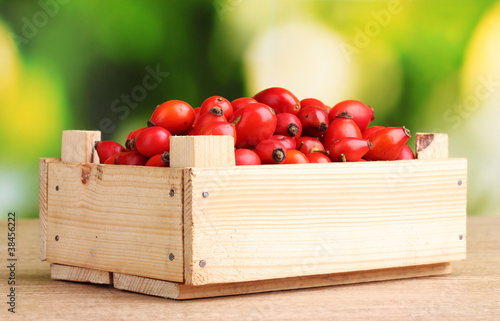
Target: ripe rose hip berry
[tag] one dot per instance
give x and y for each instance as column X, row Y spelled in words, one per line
column 314, row 121
column 406, row 153
column 242, row 102
column 288, row 124
column 106, row 149
column 152, row 141
column 245, row 156
column 176, row 116
column 257, row 123
column 279, row 99
column 318, row 157
column 130, row 158
column 295, row 157
column 197, row 111
column 387, row 143
column 370, row 130
column 217, row 101
column 360, row 113
column 309, row 145
column 111, row 160
column 131, row 136
column 313, row 102
column 213, row 115
column 219, row 128
column 160, row 160
column 342, row 126
column 271, row 151
column 287, row 141
column 348, row 149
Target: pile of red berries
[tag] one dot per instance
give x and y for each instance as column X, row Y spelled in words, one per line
column 272, row 127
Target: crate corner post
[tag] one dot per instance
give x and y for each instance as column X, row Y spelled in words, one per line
column 78, row 146
column 431, row 145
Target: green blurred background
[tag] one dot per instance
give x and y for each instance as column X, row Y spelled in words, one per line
column 105, row 65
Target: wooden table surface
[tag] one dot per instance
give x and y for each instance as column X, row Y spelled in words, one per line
column 471, row 292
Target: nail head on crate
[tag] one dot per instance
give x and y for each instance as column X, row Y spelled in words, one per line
column 57, row 238
column 172, row 193
column 57, row 187
column 205, row 194
column 203, row 263
column 171, row 256
column 459, row 182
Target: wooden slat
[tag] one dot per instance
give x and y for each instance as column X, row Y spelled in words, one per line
column 181, row 291
column 115, row 218
column 263, row 222
column 78, row 146
column 78, row 274
column 201, row 151
column 42, row 198
column 431, row 145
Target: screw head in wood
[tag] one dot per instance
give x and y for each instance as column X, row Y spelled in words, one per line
column 171, row 256
column 203, row 263
column 205, row 194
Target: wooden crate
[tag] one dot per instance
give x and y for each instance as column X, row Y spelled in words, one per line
column 205, row 227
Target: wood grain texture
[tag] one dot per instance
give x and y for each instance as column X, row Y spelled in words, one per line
column 201, row 151
column 470, row 292
column 125, row 219
column 78, row 274
column 180, row 291
column 42, row 201
column 431, row 145
column 264, row 222
column 78, row 146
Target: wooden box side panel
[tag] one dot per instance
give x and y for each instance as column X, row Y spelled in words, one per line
column 260, row 222
column 123, row 219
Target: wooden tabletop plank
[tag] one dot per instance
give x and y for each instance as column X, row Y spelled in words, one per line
column 472, row 291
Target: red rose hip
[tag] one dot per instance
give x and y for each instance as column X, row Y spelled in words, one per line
column 295, row 157
column 176, row 116
column 406, row 153
column 130, row 158
column 106, row 149
column 160, row 160
column 348, row 149
column 314, row 121
column 245, row 156
column 361, row 113
column 387, row 143
column 342, row 126
column 271, row 151
column 288, row 124
column 279, row 99
column 152, row 141
column 217, row 101
column 257, row 123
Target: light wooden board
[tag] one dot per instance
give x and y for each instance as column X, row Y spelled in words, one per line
column 78, row 274
column 181, row 291
column 431, row 145
column 42, row 198
column 115, row 218
column 470, row 292
column 201, row 151
column 78, row 146
column 274, row 221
